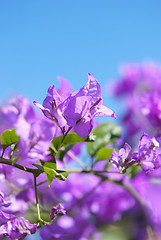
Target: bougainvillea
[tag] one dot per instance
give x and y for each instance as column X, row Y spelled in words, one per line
column 66, row 179
column 139, row 87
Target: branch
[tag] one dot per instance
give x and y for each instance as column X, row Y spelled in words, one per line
column 25, row 169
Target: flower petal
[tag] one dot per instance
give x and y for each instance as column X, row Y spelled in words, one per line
column 76, row 107
column 102, row 111
column 52, row 95
column 64, row 89
column 84, row 126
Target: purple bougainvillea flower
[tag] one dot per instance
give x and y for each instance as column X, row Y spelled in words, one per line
column 53, row 103
column 130, row 75
column 140, row 86
column 58, row 209
column 52, row 106
column 35, row 139
column 78, row 109
column 65, row 88
column 5, row 217
column 19, row 107
column 83, row 105
column 17, row 228
column 7, row 208
column 151, row 108
column 3, row 202
column 10, row 225
column 122, row 159
column 149, row 153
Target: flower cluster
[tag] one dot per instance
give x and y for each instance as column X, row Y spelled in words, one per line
column 141, row 89
column 36, row 133
column 76, row 109
column 149, row 155
column 38, row 154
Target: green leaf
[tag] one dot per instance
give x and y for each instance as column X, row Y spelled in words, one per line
column 71, row 138
column 9, row 137
column 55, row 144
column 106, row 133
column 50, row 170
column 104, row 154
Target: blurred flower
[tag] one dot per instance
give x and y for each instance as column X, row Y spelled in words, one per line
column 139, row 85
column 151, row 108
column 86, row 210
column 36, row 133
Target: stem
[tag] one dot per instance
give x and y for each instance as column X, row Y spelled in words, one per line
column 37, row 203
column 79, row 170
column 65, row 136
column 3, row 153
column 26, row 169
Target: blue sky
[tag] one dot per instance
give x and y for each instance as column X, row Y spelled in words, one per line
column 40, row 40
